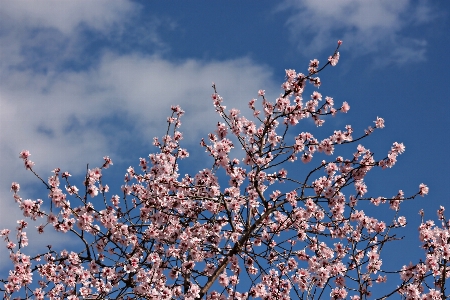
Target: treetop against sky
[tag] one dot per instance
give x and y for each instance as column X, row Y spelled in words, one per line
column 85, row 80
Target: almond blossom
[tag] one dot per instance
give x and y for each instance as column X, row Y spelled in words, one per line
column 252, row 227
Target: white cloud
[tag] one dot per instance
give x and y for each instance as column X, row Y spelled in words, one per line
column 365, row 26
column 51, row 34
column 67, row 16
column 145, row 87
column 61, row 117
column 68, row 118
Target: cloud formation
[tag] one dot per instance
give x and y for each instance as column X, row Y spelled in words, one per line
column 367, row 27
column 67, row 16
column 68, row 113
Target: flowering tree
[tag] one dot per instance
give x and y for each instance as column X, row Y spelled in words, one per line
column 264, row 235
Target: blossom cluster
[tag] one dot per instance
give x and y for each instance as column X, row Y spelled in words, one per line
column 266, row 234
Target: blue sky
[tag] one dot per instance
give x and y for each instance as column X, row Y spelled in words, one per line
column 83, row 79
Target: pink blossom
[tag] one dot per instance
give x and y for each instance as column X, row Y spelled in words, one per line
column 423, row 189
column 108, row 162
column 15, row 187
column 402, row 221
column 338, row 293
column 295, row 234
column 24, row 154
column 334, row 59
column 28, row 164
column 379, row 123
column 345, row 107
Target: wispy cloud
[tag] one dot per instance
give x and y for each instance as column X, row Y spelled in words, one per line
column 68, row 116
column 48, row 36
column 378, row 28
column 67, row 16
column 62, row 111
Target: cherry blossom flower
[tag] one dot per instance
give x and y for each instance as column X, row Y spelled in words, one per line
column 24, row 154
column 423, row 189
column 345, row 107
column 334, row 59
column 379, row 123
